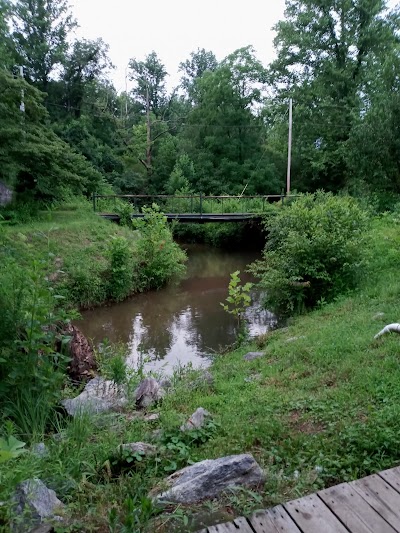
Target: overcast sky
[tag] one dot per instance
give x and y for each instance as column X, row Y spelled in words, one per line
column 175, row 28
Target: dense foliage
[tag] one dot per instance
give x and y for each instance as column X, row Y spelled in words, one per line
column 224, row 129
column 315, row 251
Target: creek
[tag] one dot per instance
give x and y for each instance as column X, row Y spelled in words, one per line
column 184, row 322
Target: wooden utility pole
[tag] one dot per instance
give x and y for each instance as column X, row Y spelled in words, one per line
column 289, row 167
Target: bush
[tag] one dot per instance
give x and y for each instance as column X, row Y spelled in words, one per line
column 158, row 257
column 314, row 252
column 120, row 256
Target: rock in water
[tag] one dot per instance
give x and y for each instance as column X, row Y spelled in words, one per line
column 148, row 392
column 197, row 420
column 98, row 396
column 83, row 364
column 207, row 479
column 35, row 505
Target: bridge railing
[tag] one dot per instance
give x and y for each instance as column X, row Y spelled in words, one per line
column 193, row 203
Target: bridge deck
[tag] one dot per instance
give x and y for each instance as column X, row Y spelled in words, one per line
column 198, row 218
column 368, row 505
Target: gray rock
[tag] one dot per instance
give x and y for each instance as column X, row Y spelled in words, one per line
column 148, row 392
column 165, row 383
column 157, row 434
column 99, row 396
column 138, row 447
column 205, row 378
column 36, row 506
column 58, row 437
column 197, row 420
column 152, row 418
column 253, row 355
column 294, row 339
column 207, row 479
column 254, row 377
column 40, row 449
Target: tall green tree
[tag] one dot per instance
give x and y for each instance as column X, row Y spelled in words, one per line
column 324, row 51
column 225, row 133
column 41, row 37
column 6, row 47
column 193, row 69
column 33, row 159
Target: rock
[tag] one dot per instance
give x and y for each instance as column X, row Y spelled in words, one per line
column 205, row 378
column 58, row 437
column 39, row 450
column 294, row 339
column 152, row 418
column 98, row 396
column 197, row 420
column 207, row 479
column 157, row 434
column 138, row 447
column 83, row 364
column 36, row 505
column 378, row 316
column 254, row 377
column 148, row 392
column 253, row 355
column 165, row 383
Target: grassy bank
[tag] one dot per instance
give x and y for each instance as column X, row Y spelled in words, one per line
column 322, row 406
column 85, row 256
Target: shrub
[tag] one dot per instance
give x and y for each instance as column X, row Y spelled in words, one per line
column 120, row 256
column 158, row 257
column 313, row 253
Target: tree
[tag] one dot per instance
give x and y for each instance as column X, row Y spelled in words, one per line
column 224, row 133
column 149, row 76
column 85, row 62
column 193, row 69
column 33, row 158
column 6, row 50
column 324, row 50
column 40, row 36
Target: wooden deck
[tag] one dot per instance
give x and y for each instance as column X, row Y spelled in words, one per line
column 368, row 505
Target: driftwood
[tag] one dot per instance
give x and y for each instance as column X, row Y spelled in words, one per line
column 83, row 365
column 390, row 328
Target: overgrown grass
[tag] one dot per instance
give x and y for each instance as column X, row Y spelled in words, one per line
column 321, row 407
column 93, row 260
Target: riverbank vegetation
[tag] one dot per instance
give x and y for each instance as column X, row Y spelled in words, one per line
column 321, row 407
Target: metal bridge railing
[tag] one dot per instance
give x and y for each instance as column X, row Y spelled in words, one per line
column 193, row 203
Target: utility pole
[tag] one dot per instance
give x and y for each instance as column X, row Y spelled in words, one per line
column 22, row 105
column 148, row 128
column 289, row 167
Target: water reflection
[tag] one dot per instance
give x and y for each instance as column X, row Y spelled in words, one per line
column 184, row 322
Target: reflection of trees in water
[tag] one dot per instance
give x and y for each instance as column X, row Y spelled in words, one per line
column 178, row 321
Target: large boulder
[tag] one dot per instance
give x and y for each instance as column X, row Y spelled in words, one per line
column 148, row 392
column 35, row 507
column 207, row 479
column 98, row 396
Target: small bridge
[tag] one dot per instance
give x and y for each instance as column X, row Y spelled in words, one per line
column 194, row 208
column 368, row 505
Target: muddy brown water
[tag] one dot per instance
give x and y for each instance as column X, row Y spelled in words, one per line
column 184, row 322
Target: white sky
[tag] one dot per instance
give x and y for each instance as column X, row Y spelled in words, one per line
column 175, row 28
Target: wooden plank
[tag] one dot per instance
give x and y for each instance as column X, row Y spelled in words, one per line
column 239, row 525
column 312, row 516
column 353, row 511
column 381, row 497
column 274, row 520
column 392, row 477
